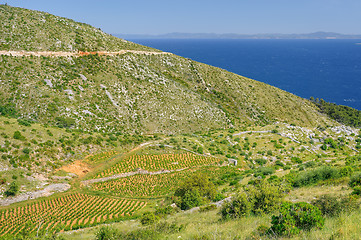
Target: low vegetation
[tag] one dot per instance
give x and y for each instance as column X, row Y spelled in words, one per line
column 342, row 114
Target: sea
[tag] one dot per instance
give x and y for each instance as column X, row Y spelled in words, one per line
column 322, row 68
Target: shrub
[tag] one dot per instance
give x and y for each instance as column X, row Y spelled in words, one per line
column 17, row 135
column 13, row 189
column 218, row 197
column 261, row 198
column 240, row 205
column 329, row 205
column 266, row 197
column 195, row 191
column 106, row 233
column 264, row 171
column 163, row 211
column 295, row 217
column 24, row 122
column 314, row 176
column 149, row 218
column 261, row 161
column 64, row 122
column 2, row 181
column 8, row 110
column 355, row 180
column 208, row 208
column 191, row 199
column 346, row 171
column 356, row 190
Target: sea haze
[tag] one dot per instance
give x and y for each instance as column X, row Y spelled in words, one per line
column 328, row 69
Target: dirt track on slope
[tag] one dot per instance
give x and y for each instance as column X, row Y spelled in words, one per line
column 76, row 54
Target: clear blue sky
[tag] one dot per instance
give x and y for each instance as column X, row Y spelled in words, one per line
column 207, row 16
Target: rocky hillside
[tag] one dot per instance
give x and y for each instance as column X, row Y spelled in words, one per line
column 133, row 93
column 23, row 29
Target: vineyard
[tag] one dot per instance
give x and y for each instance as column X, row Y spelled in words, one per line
column 157, row 162
column 152, row 185
column 142, row 185
column 65, row 213
column 95, row 158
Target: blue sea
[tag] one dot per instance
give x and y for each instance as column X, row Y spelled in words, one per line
column 328, row 69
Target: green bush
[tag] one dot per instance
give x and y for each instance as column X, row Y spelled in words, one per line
column 331, row 206
column 12, row 190
column 295, row 217
column 17, row 135
column 195, row 191
column 106, row 233
column 356, row 190
column 265, row 196
column 260, row 198
column 8, row 110
column 207, row 208
column 218, row 197
column 355, row 180
column 239, row 206
column 346, row 171
column 264, row 171
column 149, row 218
column 350, row 160
column 64, row 122
column 342, row 114
column 24, row 122
column 314, row 176
column 163, row 211
column 191, row 199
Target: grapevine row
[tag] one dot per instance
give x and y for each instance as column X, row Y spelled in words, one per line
column 157, row 162
column 65, row 213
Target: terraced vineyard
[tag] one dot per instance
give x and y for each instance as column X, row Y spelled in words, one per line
column 152, row 185
column 158, row 162
column 143, row 185
column 94, row 158
column 65, row 213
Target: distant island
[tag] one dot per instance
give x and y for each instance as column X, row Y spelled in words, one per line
column 176, row 35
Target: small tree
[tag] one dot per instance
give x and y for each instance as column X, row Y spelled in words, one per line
column 195, row 191
column 266, row 197
column 239, row 206
column 13, row 189
column 296, row 217
column 149, row 218
column 106, row 233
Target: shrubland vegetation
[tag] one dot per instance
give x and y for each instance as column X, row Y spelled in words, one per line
column 342, row 114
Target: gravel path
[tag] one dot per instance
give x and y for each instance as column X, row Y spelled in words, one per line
column 47, row 191
column 76, row 54
column 122, row 175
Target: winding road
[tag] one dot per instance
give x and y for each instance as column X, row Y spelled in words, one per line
column 77, row 54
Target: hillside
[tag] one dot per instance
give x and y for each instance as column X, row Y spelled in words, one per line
column 23, row 29
column 129, row 92
column 97, row 130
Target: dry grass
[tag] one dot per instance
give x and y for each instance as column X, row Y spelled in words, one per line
column 307, row 194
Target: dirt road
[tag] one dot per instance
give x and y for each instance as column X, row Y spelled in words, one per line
column 76, row 54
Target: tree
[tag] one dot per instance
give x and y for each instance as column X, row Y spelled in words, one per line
column 149, row 218
column 106, row 233
column 64, row 122
column 240, row 205
column 13, row 189
column 195, row 191
column 295, row 217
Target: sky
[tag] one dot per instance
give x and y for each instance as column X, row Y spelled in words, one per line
column 207, row 16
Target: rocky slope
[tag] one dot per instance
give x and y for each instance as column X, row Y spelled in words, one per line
column 132, row 93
